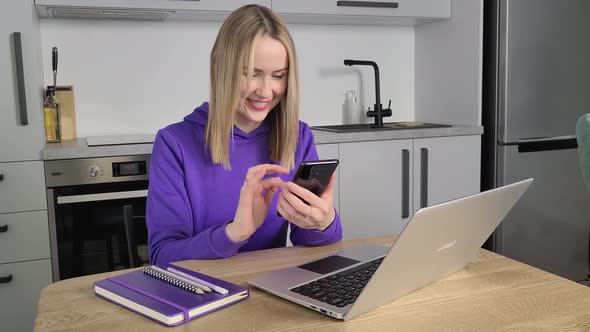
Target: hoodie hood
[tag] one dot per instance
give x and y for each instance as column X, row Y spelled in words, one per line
column 200, row 116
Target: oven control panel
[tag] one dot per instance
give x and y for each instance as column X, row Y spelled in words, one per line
column 130, row 168
column 96, row 170
column 93, row 171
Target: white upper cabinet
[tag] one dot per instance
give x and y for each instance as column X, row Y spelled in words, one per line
column 142, row 9
column 21, row 124
column 386, row 12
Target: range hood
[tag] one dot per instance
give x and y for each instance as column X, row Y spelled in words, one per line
column 154, row 10
column 101, row 13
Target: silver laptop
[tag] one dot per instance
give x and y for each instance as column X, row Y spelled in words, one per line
column 436, row 242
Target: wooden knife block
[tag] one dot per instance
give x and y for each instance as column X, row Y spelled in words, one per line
column 67, row 112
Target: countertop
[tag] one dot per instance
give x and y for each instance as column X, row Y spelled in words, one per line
column 326, row 137
column 492, row 293
column 74, row 149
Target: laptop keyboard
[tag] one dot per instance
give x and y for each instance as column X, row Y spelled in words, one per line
column 342, row 288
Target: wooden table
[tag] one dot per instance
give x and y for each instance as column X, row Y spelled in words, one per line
column 491, row 293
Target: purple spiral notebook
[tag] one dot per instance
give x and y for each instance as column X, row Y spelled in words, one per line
column 170, row 302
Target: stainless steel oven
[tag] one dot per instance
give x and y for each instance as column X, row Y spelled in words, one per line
column 87, row 201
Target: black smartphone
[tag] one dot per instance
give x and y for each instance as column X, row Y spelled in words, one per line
column 314, row 175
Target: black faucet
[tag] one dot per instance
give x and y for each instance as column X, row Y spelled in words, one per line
column 378, row 113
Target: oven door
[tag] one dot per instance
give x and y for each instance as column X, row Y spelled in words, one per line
column 88, row 231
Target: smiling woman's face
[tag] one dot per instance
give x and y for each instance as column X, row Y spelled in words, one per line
column 267, row 86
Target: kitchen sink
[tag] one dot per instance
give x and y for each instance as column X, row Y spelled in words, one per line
column 386, row 126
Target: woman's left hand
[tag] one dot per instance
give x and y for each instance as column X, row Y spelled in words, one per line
column 319, row 214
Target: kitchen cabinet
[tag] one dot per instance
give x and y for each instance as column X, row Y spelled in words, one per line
column 21, row 128
column 142, row 9
column 20, row 285
column 382, row 183
column 23, row 236
column 25, row 267
column 450, row 51
column 375, row 187
column 22, row 187
column 388, row 12
column 445, row 168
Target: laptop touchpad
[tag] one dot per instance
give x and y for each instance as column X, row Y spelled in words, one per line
column 328, row 264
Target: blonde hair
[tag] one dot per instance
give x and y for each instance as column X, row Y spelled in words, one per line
column 233, row 48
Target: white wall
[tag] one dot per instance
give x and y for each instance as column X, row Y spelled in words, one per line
column 135, row 77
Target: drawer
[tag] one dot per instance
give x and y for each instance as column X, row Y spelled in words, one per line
column 22, row 187
column 19, row 297
column 24, row 236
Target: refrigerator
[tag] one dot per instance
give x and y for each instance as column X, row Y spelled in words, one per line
column 536, row 83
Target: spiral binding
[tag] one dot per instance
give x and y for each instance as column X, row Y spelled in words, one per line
column 175, row 282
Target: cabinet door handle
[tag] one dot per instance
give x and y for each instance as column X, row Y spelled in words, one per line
column 3, row 228
column 423, row 177
column 20, row 78
column 405, row 183
column 5, row 280
column 367, row 4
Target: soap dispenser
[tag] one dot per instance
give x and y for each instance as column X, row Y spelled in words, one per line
column 353, row 112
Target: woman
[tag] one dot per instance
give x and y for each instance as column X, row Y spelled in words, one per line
column 211, row 194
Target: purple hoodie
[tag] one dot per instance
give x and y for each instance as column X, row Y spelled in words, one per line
column 190, row 199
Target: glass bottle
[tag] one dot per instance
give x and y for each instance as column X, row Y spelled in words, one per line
column 51, row 116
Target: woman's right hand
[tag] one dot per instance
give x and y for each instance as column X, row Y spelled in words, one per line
column 255, row 198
